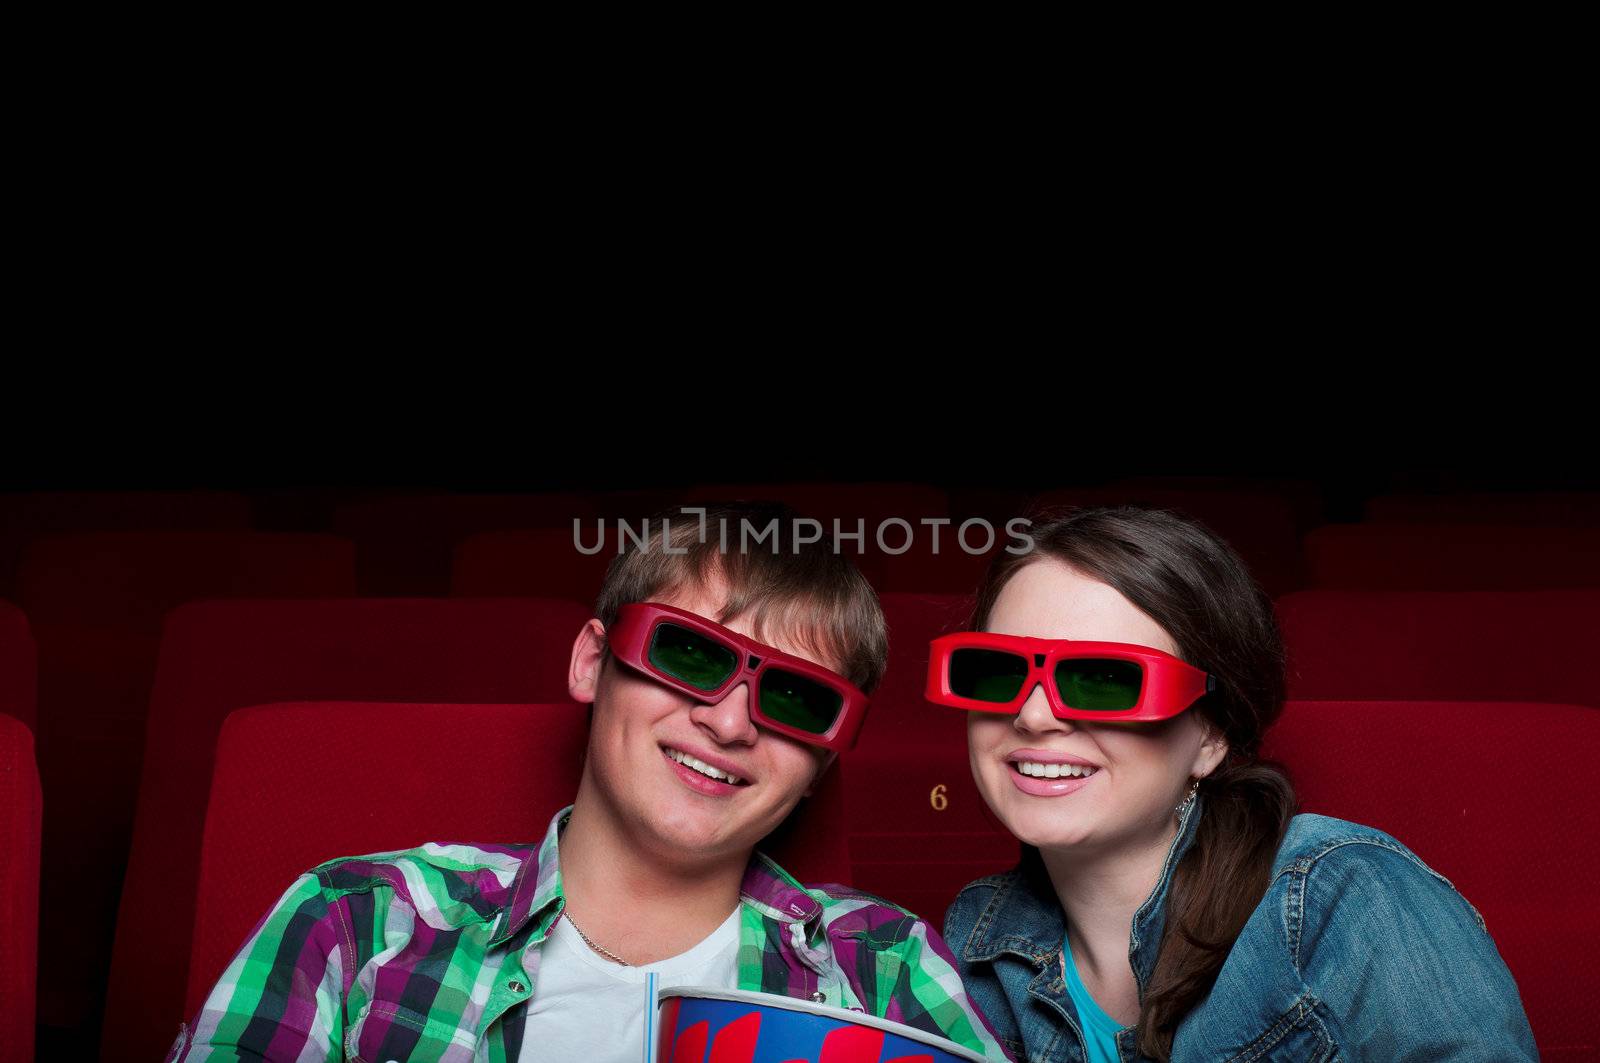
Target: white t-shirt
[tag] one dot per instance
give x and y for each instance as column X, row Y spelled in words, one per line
column 587, row 1008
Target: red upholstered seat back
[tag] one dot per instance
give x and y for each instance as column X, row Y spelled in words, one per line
column 26, row 516
column 406, row 540
column 1433, row 645
column 20, row 805
column 220, row 656
column 1452, row 557
column 1496, row 796
column 541, row 562
column 298, row 784
column 920, row 830
column 96, row 603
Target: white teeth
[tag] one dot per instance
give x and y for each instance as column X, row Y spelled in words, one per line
column 1055, row 771
column 702, row 767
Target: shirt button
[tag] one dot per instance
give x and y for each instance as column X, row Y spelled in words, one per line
column 819, row 996
column 517, row 987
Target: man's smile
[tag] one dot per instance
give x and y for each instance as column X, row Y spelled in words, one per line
column 716, row 769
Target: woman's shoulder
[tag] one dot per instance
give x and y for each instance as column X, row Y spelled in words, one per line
column 1313, row 839
column 1343, row 864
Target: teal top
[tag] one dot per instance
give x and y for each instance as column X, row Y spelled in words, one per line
column 1099, row 1029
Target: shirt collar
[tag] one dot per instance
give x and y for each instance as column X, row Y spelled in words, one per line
column 1024, row 916
column 536, row 890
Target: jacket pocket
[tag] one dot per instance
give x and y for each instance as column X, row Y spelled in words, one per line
column 385, row 1031
column 1298, row 1036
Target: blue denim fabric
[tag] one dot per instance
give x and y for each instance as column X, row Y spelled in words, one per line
column 1358, row 951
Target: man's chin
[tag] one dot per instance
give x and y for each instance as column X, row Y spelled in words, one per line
column 689, row 838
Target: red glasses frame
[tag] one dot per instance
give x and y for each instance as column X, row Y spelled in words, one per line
column 1168, row 685
column 630, row 637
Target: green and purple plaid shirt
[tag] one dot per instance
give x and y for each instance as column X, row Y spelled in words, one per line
column 427, row 955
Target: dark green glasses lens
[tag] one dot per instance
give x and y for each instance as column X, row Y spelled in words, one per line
column 987, row 675
column 691, row 657
column 1099, row 684
column 798, row 701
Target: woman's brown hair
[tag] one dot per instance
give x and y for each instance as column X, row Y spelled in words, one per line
column 1196, row 587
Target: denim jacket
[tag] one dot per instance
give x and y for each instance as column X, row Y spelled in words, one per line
column 1358, row 951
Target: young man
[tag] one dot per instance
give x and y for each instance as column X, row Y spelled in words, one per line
column 723, row 682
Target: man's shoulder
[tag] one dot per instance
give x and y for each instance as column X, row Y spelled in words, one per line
column 455, row 878
column 843, row 909
column 871, row 919
column 838, row 898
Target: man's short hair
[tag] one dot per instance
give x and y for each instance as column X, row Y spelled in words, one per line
column 805, row 591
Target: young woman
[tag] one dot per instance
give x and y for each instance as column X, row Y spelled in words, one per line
column 1169, row 905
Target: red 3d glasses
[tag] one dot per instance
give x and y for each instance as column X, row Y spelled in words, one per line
column 986, row 672
column 701, row 658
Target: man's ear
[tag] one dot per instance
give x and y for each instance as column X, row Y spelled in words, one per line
column 588, row 654
column 827, row 762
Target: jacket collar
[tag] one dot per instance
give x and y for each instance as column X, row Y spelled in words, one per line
column 1024, row 916
column 536, row 895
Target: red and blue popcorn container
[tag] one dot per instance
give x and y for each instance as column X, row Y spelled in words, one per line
column 706, row 1025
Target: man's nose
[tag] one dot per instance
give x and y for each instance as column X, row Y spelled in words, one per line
column 1036, row 716
column 729, row 719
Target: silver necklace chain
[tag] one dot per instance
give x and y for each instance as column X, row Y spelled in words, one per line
column 613, row 957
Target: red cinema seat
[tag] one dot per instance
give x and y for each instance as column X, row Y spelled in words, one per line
column 541, row 563
column 1487, row 507
column 426, row 773
column 477, row 773
column 920, row 830
column 1452, row 557
column 1496, row 796
column 96, row 603
column 19, row 666
column 1443, row 645
column 20, row 805
column 27, row 516
column 405, row 541
column 221, row 656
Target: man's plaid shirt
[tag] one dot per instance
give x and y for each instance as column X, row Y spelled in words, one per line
column 429, row 954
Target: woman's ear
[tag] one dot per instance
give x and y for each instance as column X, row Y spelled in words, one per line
column 588, row 654
column 1212, row 752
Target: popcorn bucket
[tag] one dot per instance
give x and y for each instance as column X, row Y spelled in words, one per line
column 708, row 1025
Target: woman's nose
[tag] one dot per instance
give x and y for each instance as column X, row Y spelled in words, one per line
column 728, row 720
column 1035, row 715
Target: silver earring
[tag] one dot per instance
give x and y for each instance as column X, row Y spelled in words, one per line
column 1189, row 800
